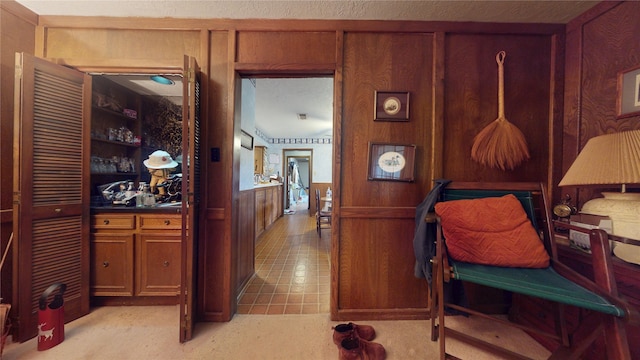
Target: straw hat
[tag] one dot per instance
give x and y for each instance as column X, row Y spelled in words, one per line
column 160, row 160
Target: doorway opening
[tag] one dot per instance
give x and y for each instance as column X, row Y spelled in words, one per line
column 298, row 180
column 292, row 120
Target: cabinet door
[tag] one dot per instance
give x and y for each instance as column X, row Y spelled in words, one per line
column 158, row 263
column 112, row 264
column 260, row 211
column 50, row 189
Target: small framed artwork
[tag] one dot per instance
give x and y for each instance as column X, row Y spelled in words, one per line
column 391, row 106
column 391, row 162
column 246, row 140
column 628, row 99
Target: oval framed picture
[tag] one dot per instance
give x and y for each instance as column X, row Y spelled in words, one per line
column 392, row 162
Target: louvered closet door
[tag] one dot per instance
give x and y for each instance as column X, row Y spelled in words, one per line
column 51, row 195
column 190, row 188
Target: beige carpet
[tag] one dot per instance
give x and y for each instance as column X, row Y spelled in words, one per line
column 152, row 333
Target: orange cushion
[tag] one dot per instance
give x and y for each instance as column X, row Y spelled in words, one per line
column 491, row 231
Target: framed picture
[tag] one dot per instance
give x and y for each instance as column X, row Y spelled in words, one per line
column 628, row 100
column 391, row 106
column 246, row 140
column 392, row 162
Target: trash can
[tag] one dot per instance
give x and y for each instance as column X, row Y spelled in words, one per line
column 51, row 317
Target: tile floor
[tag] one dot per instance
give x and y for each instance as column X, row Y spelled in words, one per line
column 292, row 268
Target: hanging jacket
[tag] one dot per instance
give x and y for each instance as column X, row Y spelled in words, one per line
column 424, row 247
column 424, row 239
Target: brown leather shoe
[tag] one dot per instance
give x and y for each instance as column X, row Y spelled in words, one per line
column 342, row 331
column 353, row 348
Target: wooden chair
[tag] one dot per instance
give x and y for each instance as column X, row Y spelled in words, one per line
column 323, row 218
column 607, row 313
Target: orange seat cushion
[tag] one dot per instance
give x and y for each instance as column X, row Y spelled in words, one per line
column 491, row 231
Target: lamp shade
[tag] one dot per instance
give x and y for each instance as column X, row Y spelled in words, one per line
column 607, row 159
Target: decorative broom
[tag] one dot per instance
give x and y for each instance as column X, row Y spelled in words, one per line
column 500, row 144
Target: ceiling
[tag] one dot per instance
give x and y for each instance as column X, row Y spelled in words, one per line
column 558, row 11
column 278, row 101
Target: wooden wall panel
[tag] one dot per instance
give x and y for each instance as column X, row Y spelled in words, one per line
column 600, row 43
column 77, row 43
column 218, row 255
column 385, row 62
column 278, row 47
column 246, row 238
column 17, row 30
column 376, row 269
column 375, row 257
column 608, row 44
column 471, row 101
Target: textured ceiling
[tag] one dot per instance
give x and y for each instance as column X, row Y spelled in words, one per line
column 558, row 11
column 279, row 100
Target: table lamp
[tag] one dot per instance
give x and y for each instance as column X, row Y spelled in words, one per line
column 612, row 159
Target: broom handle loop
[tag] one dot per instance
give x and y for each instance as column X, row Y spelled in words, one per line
column 500, row 60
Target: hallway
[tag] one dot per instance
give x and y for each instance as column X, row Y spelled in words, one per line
column 292, row 268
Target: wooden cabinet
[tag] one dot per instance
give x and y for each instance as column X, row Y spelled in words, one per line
column 135, row 255
column 260, row 211
column 268, row 200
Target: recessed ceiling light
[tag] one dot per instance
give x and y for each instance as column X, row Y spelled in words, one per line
column 302, row 116
column 162, row 80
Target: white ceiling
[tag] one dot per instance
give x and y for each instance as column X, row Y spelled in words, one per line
column 558, row 11
column 279, row 100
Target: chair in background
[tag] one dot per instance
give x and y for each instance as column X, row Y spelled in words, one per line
column 323, row 218
column 483, row 209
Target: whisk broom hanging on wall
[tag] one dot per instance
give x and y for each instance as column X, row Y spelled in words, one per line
column 500, row 144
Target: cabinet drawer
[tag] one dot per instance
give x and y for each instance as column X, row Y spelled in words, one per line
column 112, row 221
column 154, row 222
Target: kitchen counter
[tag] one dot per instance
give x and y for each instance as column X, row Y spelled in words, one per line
column 173, row 208
column 262, row 185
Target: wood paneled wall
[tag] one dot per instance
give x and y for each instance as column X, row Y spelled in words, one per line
column 246, row 238
column 374, row 258
column 449, row 70
column 17, row 30
column 600, row 43
column 471, row 93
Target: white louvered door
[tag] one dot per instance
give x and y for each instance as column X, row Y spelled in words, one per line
column 51, row 194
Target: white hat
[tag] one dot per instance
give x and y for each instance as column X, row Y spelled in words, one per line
column 160, row 160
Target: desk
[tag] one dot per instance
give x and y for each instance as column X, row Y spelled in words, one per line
column 327, row 203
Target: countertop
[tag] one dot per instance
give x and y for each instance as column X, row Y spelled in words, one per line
column 261, row 185
column 174, row 208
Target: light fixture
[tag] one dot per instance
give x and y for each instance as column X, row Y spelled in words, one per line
column 162, row 80
column 612, row 159
column 302, row 116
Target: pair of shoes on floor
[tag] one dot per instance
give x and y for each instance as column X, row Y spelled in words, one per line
column 354, row 342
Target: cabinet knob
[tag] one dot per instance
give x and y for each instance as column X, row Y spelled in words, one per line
column 167, row 222
column 106, row 221
column 105, row 264
column 165, row 263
